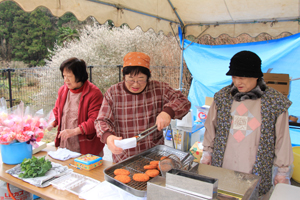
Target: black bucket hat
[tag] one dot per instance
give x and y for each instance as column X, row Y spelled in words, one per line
column 245, row 64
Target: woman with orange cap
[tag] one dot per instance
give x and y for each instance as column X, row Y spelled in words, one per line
column 134, row 105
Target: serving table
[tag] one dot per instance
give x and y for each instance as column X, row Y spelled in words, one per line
column 50, row 192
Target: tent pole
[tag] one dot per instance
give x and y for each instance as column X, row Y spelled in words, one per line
column 181, row 63
column 181, row 48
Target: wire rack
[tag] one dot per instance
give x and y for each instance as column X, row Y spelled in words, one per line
column 136, row 164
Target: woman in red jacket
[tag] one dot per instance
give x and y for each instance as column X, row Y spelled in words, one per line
column 76, row 109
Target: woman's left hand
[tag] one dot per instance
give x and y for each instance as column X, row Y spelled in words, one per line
column 67, row 133
column 163, row 120
column 281, row 179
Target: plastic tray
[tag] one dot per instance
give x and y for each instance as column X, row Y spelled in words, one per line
column 74, row 183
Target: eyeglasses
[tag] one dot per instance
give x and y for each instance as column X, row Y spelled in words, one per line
column 138, row 82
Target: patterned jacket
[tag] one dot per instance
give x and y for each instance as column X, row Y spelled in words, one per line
column 273, row 104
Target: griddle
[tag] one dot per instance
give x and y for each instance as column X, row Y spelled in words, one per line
column 135, row 164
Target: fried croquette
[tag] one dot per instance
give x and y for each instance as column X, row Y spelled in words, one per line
column 150, row 167
column 154, row 162
column 123, row 178
column 141, row 177
column 121, row 172
column 152, row 172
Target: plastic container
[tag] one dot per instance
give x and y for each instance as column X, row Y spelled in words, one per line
column 17, row 192
column 296, row 173
column 168, row 135
column 15, row 153
column 75, row 183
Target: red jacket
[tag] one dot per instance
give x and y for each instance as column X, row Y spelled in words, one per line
column 89, row 106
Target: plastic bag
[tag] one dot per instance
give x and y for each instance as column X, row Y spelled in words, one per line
column 20, row 124
column 3, row 111
column 11, row 123
column 3, row 106
column 206, row 158
column 286, row 173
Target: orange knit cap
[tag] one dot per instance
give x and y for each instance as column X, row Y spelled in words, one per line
column 136, row 59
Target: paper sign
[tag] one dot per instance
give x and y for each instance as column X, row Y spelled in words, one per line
column 126, row 143
column 202, row 113
column 186, row 120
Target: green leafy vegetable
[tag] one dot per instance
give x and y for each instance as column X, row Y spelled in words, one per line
column 34, row 167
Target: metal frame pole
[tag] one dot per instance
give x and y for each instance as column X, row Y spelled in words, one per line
column 91, row 79
column 120, row 71
column 9, row 84
column 181, row 63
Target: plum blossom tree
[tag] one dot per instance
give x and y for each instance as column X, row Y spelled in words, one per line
column 104, row 48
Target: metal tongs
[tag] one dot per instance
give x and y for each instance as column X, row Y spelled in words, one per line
column 145, row 133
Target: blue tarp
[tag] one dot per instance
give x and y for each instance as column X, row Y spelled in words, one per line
column 295, row 136
column 209, row 64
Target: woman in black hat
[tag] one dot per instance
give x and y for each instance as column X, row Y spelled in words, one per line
column 247, row 125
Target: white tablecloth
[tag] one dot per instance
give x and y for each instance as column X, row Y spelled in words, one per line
column 108, row 191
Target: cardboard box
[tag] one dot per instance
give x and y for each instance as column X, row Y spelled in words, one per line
column 186, row 121
column 181, row 139
column 280, row 82
column 41, row 146
column 183, row 136
column 88, row 161
column 196, row 151
column 208, row 101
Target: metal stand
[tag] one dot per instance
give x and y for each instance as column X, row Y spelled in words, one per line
column 171, row 130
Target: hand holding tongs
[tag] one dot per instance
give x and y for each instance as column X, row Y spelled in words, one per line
column 147, row 132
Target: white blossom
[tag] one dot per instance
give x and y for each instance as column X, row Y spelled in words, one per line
column 104, row 47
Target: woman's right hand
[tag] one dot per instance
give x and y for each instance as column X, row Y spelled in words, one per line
column 50, row 126
column 111, row 144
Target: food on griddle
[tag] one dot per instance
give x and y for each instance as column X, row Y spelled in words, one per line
column 150, row 167
column 141, row 177
column 152, row 172
column 121, row 172
column 154, row 162
column 123, row 178
column 163, row 157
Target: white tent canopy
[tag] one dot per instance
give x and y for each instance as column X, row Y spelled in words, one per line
column 231, row 17
column 195, row 17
